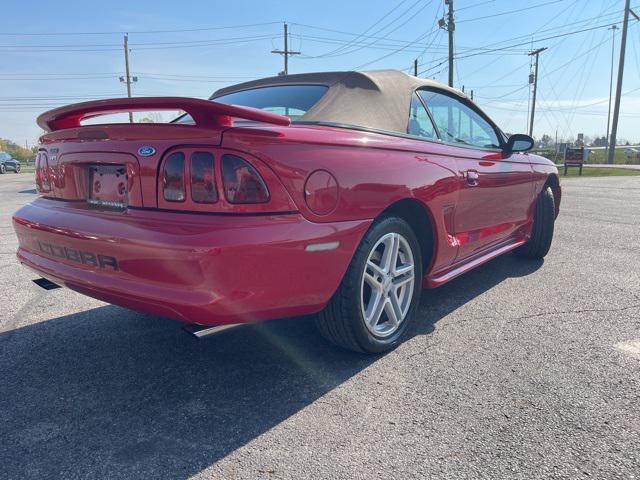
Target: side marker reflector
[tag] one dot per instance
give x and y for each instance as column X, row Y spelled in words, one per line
column 321, row 247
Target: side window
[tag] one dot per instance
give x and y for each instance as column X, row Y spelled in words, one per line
column 419, row 122
column 458, row 123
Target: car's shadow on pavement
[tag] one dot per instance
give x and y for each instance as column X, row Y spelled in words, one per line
column 112, row 393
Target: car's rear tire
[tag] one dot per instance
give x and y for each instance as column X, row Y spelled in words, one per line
column 543, row 222
column 17, row 169
column 379, row 294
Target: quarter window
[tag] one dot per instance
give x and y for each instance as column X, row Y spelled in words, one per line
column 458, row 123
column 419, row 122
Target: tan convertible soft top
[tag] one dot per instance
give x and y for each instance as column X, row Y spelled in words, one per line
column 377, row 99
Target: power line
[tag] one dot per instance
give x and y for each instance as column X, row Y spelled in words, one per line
column 49, row 79
column 479, row 4
column 537, row 40
column 227, row 40
column 583, row 22
column 603, row 101
column 79, row 76
column 511, row 11
column 134, row 46
column 433, row 26
column 413, row 42
column 386, row 46
column 411, row 17
column 363, row 34
column 502, row 97
column 486, row 50
column 554, row 49
column 137, row 32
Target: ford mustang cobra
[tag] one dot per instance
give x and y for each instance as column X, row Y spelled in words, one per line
column 338, row 194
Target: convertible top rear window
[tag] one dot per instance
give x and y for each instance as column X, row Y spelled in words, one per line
column 295, row 99
column 291, row 100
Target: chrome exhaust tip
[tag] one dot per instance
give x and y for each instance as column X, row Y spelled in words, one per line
column 200, row 331
column 46, row 284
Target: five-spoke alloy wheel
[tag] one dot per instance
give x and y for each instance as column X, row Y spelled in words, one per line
column 387, row 285
column 379, row 294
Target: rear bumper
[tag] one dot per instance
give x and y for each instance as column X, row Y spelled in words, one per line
column 206, row 269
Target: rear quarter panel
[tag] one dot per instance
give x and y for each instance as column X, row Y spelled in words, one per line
column 373, row 171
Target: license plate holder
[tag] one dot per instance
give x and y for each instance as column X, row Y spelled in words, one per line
column 108, row 186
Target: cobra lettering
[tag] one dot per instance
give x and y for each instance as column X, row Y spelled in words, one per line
column 78, row 256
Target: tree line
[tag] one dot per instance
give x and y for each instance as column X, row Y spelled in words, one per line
column 16, row 151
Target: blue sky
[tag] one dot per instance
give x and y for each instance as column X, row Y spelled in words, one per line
column 38, row 72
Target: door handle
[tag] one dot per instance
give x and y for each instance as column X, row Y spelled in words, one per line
column 472, row 177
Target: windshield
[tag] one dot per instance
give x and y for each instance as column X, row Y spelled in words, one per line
column 290, row 100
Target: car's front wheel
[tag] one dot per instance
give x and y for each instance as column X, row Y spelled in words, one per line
column 379, row 294
column 3, row 168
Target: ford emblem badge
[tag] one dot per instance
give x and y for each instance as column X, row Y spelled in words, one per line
column 146, row 151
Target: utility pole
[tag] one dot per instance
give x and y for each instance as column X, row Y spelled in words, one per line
column 286, row 52
column 415, row 67
column 128, row 76
column 616, row 108
column 613, row 29
column 535, row 87
column 451, row 26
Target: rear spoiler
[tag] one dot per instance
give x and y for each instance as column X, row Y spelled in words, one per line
column 205, row 113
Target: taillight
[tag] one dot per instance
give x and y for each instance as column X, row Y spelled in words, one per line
column 203, row 186
column 242, row 182
column 43, row 182
column 201, row 179
column 173, row 178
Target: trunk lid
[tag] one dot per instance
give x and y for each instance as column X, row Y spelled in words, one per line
column 113, row 157
column 115, row 165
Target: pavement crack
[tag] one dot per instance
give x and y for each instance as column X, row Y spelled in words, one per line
column 564, row 312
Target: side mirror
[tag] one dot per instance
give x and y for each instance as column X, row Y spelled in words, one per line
column 519, row 142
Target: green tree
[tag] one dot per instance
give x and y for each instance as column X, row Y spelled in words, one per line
column 16, row 151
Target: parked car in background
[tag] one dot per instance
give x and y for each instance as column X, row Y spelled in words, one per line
column 340, row 194
column 8, row 163
column 632, row 154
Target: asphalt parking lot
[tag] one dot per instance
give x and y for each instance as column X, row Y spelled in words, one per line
column 517, row 370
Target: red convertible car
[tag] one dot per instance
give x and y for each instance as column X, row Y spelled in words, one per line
column 339, row 194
